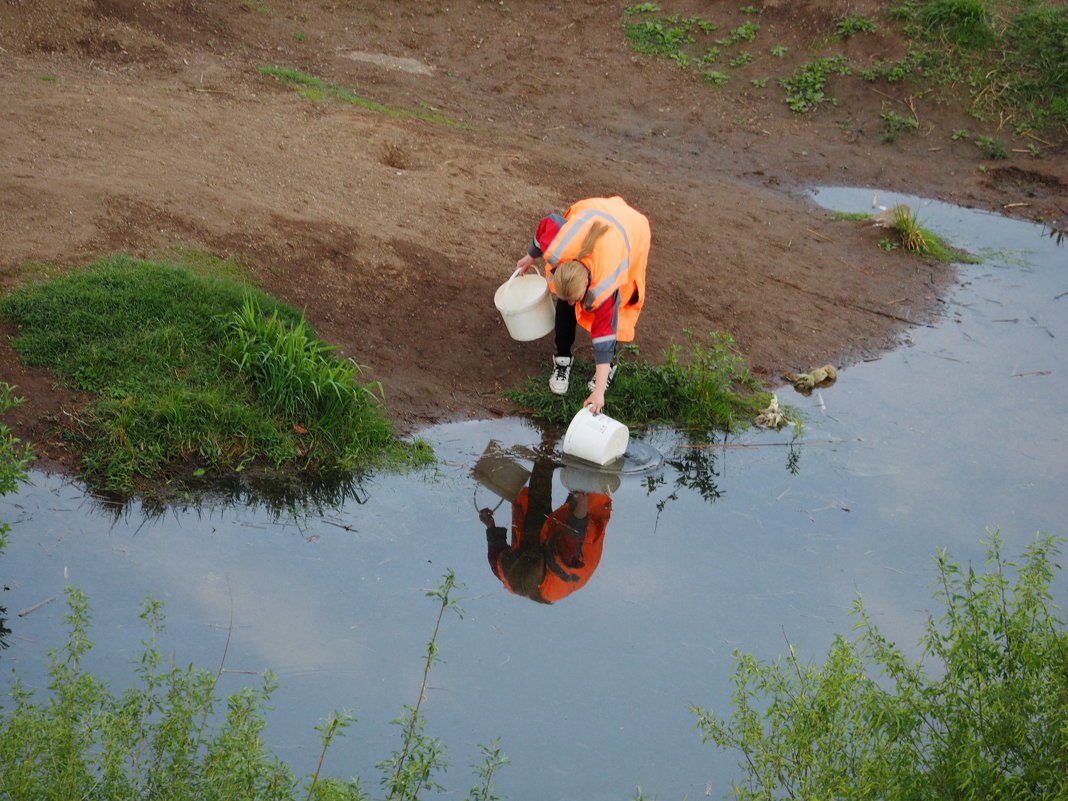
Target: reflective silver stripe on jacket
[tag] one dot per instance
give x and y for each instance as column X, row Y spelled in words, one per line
column 579, row 223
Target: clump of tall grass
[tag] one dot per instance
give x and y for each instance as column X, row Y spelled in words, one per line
column 703, row 384
column 153, row 343
column 917, row 239
column 297, row 375
column 173, row 735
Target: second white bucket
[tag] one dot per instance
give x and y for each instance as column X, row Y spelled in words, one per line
column 526, row 306
column 596, row 438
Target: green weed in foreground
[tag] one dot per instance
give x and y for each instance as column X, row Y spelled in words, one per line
column 982, row 714
column 707, row 386
column 15, row 455
column 174, row 736
column 155, row 344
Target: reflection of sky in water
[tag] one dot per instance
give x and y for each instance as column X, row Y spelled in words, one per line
column 923, row 449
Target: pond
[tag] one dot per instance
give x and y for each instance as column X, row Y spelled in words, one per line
column 750, row 546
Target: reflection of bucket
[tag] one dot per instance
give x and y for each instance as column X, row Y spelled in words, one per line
column 585, row 479
column 596, row 438
column 526, row 306
column 500, row 473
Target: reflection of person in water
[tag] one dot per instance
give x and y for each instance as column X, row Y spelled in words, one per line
column 552, row 552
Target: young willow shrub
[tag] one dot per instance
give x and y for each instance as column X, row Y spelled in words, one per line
column 173, row 736
column 982, row 715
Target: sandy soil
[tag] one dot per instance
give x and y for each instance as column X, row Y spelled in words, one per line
column 145, row 126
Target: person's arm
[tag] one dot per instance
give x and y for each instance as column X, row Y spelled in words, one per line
column 546, row 232
column 603, row 334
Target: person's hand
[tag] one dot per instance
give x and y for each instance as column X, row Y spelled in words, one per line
column 595, row 401
column 486, row 516
column 524, row 263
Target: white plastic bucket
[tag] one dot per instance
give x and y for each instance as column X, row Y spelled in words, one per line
column 500, row 474
column 526, row 306
column 589, row 479
column 596, row 438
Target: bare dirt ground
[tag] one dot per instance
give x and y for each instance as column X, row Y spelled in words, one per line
column 141, row 126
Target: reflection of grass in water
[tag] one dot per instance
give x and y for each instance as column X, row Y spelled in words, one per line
column 317, row 89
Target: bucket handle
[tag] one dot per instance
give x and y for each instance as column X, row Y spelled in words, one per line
column 508, row 283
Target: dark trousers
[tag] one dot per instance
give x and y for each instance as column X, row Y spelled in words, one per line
column 566, row 328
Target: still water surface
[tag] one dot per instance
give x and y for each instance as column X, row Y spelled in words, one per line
column 961, row 429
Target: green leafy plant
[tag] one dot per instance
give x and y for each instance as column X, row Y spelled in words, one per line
column 805, row 89
column 853, row 24
column 172, row 735
column 15, row 455
column 706, row 384
column 894, row 124
column 992, row 148
column 982, row 714
column 715, row 77
column 660, row 37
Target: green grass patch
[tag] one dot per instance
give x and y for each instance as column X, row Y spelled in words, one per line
column 913, row 237
column 919, row 240
column 194, row 372
column 705, row 385
column 315, row 88
column 806, row 89
column 998, row 57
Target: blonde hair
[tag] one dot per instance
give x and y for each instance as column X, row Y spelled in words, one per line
column 570, row 277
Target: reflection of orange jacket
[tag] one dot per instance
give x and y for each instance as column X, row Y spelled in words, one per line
column 617, row 264
column 571, row 555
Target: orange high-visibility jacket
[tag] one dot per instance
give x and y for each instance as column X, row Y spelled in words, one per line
column 617, row 264
column 571, row 560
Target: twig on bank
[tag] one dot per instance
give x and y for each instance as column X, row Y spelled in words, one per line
column 1036, row 138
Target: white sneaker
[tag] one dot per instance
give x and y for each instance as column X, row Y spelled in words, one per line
column 560, row 378
column 611, row 375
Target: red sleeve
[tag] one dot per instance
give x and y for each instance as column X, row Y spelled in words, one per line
column 548, row 228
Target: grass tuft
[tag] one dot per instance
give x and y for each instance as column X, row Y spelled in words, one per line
column 314, row 88
column 706, row 385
